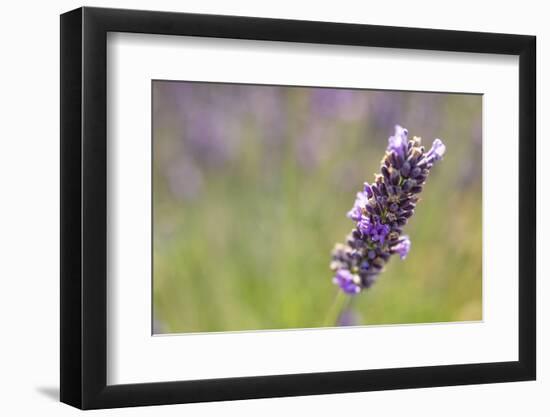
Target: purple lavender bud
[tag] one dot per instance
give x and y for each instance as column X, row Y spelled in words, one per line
column 391, row 158
column 398, row 142
column 381, row 210
column 420, row 179
column 383, row 192
column 398, row 161
column 395, row 177
column 378, row 232
column 385, row 256
column 361, row 200
column 355, row 213
column 378, row 263
column 364, row 266
column 416, row 172
column 406, row 169
column 348, row 282
column 403, row 247
column 368, row 190
column 408, row 206
column 385, row 172
column 364, row 225
column 352, row 241
column 369, row 280
column 436, row 152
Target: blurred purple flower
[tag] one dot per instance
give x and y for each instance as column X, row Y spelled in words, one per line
column 344, row 104
column 266, row 105
column 309, row 146
column 385, row 107
column 329, row 101
column 185, row 180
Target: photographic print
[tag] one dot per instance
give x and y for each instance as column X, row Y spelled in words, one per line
column 336, row 185
column 290, row 207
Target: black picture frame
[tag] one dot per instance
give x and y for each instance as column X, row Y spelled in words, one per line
column 84, row 207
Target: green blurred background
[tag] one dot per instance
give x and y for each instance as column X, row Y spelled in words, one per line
column 251, row 186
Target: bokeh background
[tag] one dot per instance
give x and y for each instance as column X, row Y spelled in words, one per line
column 251, row 186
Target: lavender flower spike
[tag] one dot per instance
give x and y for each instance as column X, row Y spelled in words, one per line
column 381, row 211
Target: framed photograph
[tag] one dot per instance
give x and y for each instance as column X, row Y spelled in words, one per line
column 258, row 208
